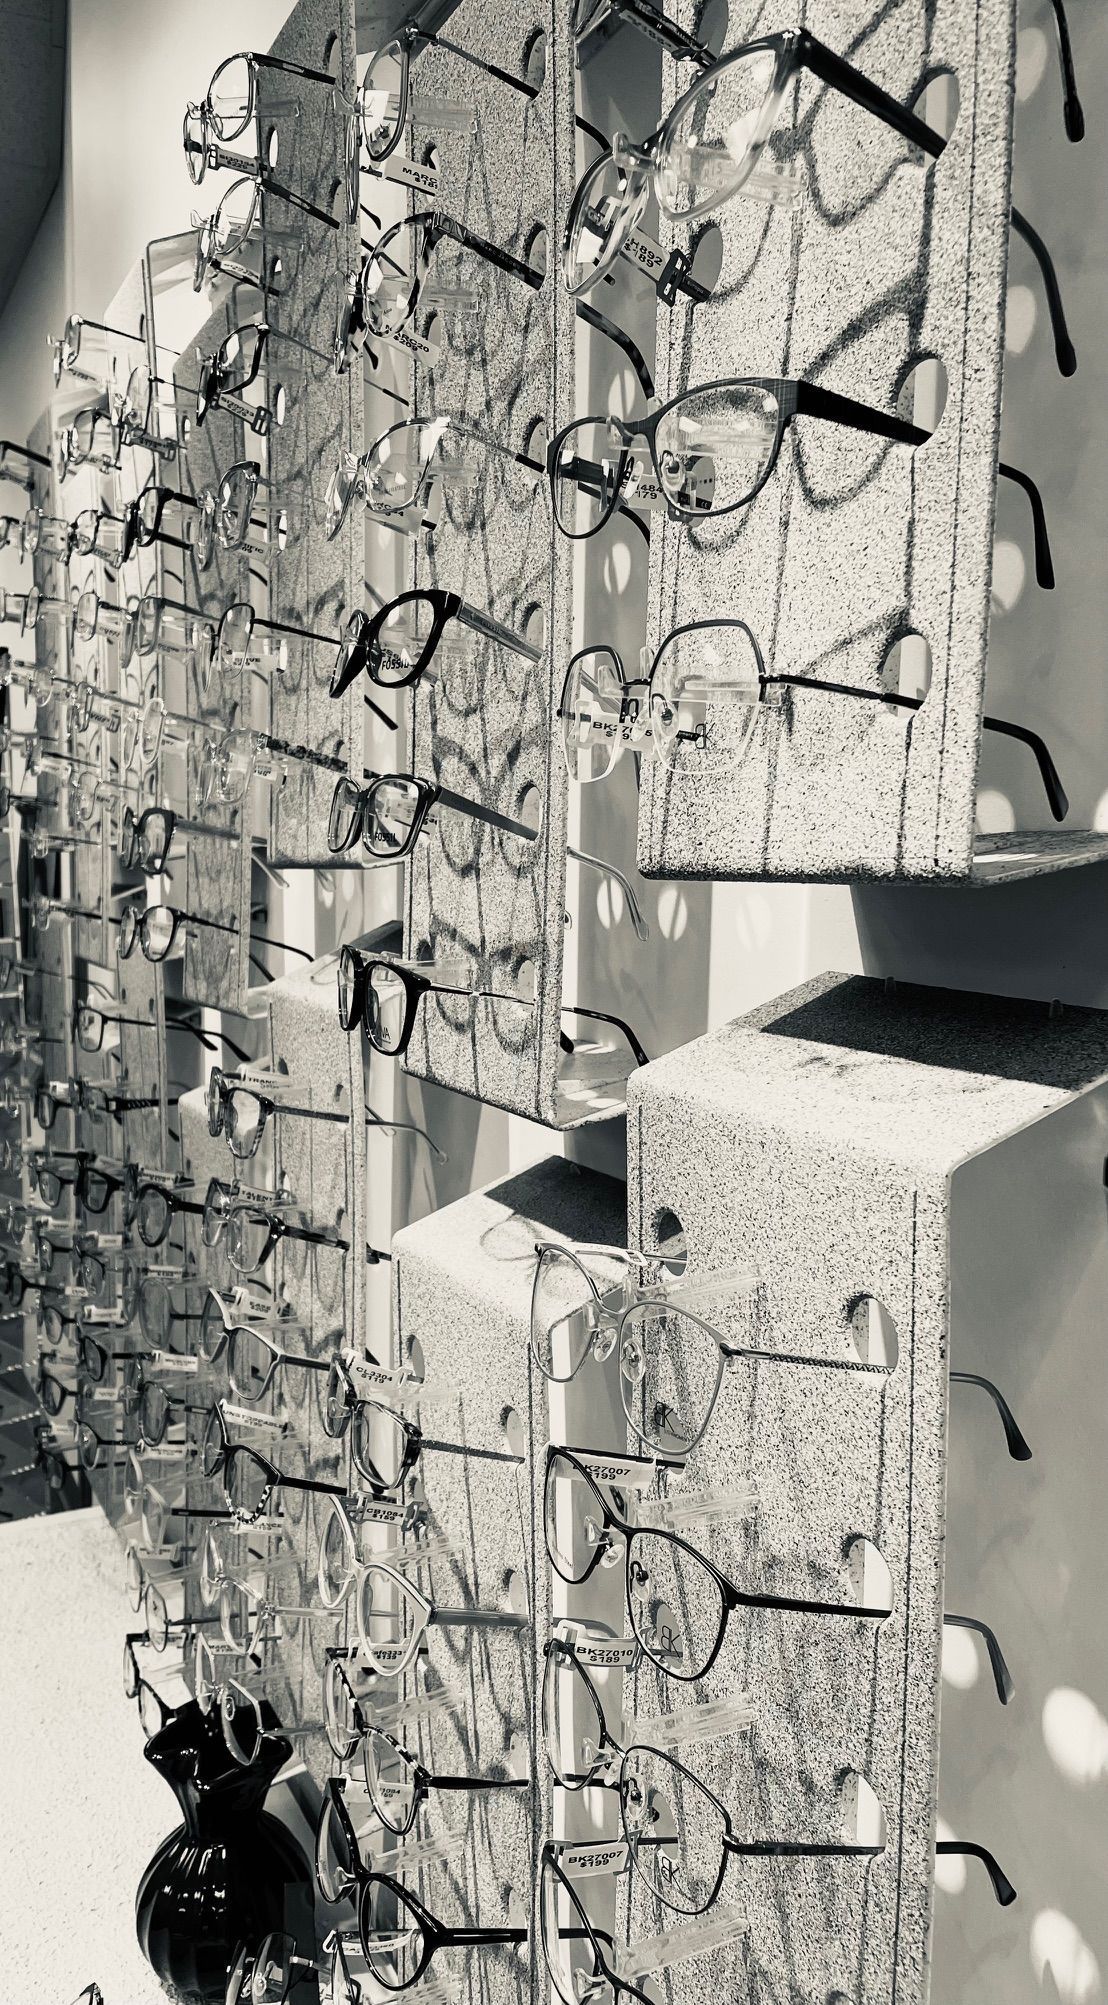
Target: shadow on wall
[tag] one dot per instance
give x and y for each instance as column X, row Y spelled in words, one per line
column 1034, row 939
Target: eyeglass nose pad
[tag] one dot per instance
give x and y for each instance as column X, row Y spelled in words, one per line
column 639, row 1583
column 632, row 1361
column 603, row 1344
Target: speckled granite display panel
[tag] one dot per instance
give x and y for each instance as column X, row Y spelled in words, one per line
column 289, row 1685
column 485, row 733
column 462, row 1288
column 217, row 873
column 852, row 542
column 815, row 1139
column 312, row 583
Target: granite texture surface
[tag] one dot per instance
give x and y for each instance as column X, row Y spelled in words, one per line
column 852, row 543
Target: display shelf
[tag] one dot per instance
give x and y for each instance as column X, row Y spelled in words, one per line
column 821, row 1142
column 852, row 543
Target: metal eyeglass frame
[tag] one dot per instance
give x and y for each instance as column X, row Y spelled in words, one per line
column 793, row 397
column 612, row 1522
column 355, row 322
column 646, row 713
column 435, row 1935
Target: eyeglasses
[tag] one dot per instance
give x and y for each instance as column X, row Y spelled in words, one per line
column 393, row 474
column 222, row 1199
column 230, row 516
column 156, row 1205
column 678, row 1601
column 254, row 1360
column 389, row 648
column 385, row 102
column 218, row 1317
column 392, row 812
column 230, row 649
column 394, row 1615
column 385, row 293
column 385, row 1445
column 400, row 1937
column 705, row 690
column 156, row 929
column 73, row 346
column 712, row 147
column 229, row 765
column 671, row 1360
column 399, row 1784
column 146, row 838
column 231, row 101
column 269, row 1974
column 236, row 223
column 92, row 438
column 249, row 1481
column 383, row 993
column 680, row 1837
column 236, row 364
column 241, row 1113
column 713, row 448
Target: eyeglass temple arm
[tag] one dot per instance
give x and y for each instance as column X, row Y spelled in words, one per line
column 310, row 1483
column 484, row 623
column 1002, row 1886
column 1074, row 116
column 601, row 1016
column 1018, row 1447
column 1002, row 1676
column 408, row 1127
column 447, row 226
column 478, row 813
column 295, row 69
column 592, row 317
column 784, row 1848
column 598, row 863
column 675, row 39
column 854, row 84
column 1055, row 791
column 519, row 84
column 10, row 446
column 814, row 401
column 283, row 194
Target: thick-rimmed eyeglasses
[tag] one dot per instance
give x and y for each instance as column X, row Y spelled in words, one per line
column 241, row 1112
column 382, row 992
column 146, row 838
column 705, row 689
column 390, row 814
column 388, row 647
column 250, row 1481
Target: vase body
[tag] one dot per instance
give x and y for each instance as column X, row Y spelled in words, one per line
column 229, row 1873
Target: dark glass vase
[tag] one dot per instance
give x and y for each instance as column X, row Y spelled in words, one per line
column 230, row 1872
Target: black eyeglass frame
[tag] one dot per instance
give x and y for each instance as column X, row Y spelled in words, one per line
column 794, row 398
